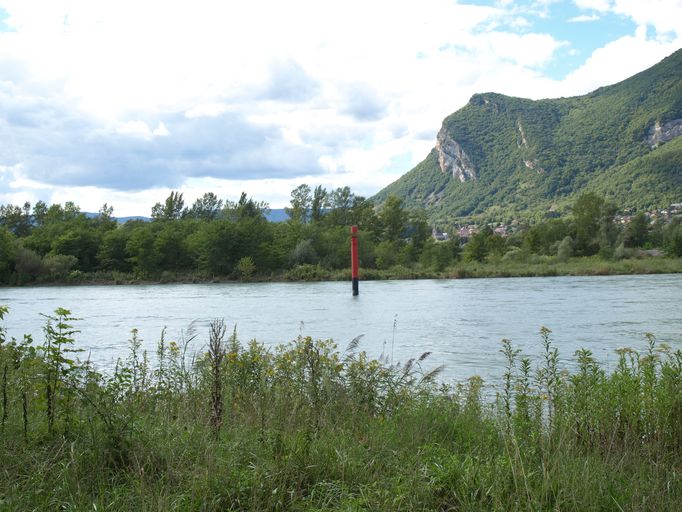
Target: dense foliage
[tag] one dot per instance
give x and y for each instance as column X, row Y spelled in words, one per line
column 533, row 158
column 233, row 240
column 211, row 238
column 304, row 426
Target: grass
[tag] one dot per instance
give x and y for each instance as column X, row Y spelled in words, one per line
column 307, row 426
column 549, row 266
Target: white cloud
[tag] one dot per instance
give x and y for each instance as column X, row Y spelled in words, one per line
column 617, row 61
column 134, row 128
column 141, row 130
column 528, row 50
column 520, row 22
column 161, row 130
column 594, row 5
column 15, row 188
column 206, row 110
column 584, row 18
column 262, row 95
column 663, row 15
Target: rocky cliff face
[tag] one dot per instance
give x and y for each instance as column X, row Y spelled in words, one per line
column 523, row 142
column 664, row 132
column 533, row 164
column 452, row 158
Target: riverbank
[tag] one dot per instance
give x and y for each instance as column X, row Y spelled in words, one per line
column 307, row 426
column 586, row 266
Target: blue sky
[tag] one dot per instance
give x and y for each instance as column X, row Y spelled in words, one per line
column 3, row 26
column 583, row 37
column 122, row 102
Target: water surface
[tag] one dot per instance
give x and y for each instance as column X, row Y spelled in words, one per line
column 461, row 322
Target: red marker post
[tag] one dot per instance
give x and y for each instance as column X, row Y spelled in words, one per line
column 354, row 258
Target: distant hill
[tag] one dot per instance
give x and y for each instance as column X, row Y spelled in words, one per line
column 502, row 157
column 123, row 220
column 120, row 220
column 277, row 215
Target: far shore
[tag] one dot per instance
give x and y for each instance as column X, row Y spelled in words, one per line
column 313, row 273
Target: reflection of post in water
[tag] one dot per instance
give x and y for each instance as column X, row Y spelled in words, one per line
column 354, row 257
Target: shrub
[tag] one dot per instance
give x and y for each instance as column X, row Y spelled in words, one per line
column 565, row 249
column 59, row 265
column 246, row 267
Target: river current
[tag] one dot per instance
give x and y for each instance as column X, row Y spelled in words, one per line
column 461, row 322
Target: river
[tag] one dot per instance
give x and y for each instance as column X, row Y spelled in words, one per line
column 461, row 322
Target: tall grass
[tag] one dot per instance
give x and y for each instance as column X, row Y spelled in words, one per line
column 307, row 426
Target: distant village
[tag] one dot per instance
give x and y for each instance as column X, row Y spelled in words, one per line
column 466, row 231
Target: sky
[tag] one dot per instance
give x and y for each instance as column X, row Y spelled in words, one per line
column 122, row 102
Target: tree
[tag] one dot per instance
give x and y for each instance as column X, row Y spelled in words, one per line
column 39, row 213
column 170, row 246
column 140, row 247
column 319, row 203
column 253, row 237
column 106, row 212
column 672, row 238
column 300, row 204
column 246, row 267
column 6, row 254
column 247, row 208
column 340, row 203
column 81, row 243
column 586, row 214
column 333, row 246
column 439, row 255
column 213, row 247
column 655, row 235
column 208, row 207
column 637, row 230
column 542, row 238
column 59, row 265
column 28, row 265
column 387, row 254
column 593, row 222
column 565, row 249
column 393, row 218
column 171, row 209
column 105, row 218
column 16, row 219
column 418, row 230
column 303, row 253
column 478, row 247
column 112, row 254
column 71, row 210
column 56, row 222
column 365, row 217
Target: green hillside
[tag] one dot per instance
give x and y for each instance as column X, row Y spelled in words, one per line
column 530, row 158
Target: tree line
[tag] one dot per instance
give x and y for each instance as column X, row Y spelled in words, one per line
column 234, row 239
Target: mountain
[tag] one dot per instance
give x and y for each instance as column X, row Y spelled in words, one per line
column 277, row 215
column 501, row 157
column 120, row 220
